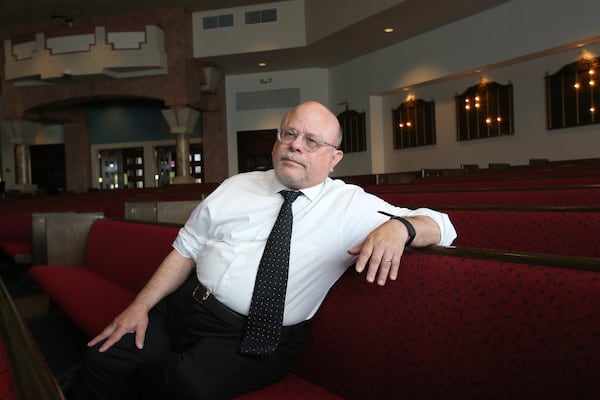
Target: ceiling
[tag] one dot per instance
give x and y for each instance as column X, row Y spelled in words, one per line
column 408, row 17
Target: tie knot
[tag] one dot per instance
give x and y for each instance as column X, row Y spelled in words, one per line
column 290, row 195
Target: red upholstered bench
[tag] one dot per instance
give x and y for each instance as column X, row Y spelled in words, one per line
column 569, row 231
column 454, row 325
column 119, row 259
column 15, row 236
column 20, row 252
column 573, row 196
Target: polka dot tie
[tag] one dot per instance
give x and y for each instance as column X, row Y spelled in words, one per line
column 265, row 317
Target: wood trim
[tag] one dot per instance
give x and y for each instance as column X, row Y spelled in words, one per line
column 567, row 262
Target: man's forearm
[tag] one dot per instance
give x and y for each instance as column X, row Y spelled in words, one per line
column 427, row 231
column 171, row 274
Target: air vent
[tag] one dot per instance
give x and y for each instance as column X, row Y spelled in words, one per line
column 265, row 99
column 261, row 16
column 217, row 21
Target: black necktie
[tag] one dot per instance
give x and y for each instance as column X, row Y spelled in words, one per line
column 265, row 317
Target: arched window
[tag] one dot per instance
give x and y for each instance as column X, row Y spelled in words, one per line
column 354, row 131
column 485, row 110
column 414, row 123
column 572, row 94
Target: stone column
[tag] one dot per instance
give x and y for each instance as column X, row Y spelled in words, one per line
column 21, row 133
column 22, row 164
column 181, row 120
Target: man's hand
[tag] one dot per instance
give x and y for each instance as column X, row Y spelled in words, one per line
column 133, row 319
column 381, row 251
column 171, row 273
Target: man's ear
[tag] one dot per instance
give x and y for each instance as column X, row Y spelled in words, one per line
column 336, row 158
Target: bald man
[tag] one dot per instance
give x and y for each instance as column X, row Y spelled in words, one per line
column 180, row 337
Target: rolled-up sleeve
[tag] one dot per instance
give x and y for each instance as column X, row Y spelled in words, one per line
column 193, row 235
column 447, row 231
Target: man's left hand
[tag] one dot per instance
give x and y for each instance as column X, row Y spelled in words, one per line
column 381, row 251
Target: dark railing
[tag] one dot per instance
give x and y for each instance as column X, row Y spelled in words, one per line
column 31, row 376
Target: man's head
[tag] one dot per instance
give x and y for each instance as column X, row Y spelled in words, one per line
column 308, row 152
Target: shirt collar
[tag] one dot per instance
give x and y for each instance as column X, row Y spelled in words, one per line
column 310, row 193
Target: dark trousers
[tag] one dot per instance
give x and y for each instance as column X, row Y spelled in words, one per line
column 189, row 353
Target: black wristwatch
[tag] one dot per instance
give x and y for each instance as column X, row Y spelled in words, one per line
column 409, row 227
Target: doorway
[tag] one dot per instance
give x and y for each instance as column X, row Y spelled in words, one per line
column 48, row 171
column 254, row 149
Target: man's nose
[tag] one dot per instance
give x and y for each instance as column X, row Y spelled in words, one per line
column 297, row 143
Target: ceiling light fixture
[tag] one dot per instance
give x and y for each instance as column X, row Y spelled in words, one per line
column 66, row 20
column 262, row 64
column 388, row 30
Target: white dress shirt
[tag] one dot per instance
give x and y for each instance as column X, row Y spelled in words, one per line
column 227, row 232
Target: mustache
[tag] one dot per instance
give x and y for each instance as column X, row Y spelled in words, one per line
column 290, row 156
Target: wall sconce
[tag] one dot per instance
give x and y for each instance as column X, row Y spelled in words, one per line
column 484, row 110
column 572, row 93
column 414, row 123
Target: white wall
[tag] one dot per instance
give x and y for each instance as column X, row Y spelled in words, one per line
column 530, row 140
column 514, row 35
column 313, row 84
column 287, row 31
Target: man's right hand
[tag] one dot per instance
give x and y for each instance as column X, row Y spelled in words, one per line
column 133, row 319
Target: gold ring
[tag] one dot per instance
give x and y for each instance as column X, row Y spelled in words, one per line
column 387, row 260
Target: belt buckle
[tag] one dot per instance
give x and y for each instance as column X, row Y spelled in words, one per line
column 204, row 296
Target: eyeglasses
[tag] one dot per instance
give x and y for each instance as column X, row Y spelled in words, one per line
column 310, row 142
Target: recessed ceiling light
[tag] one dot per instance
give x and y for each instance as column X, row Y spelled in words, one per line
column 262, row 64
column 388, row 30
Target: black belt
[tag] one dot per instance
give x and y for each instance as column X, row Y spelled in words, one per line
column 203, row 295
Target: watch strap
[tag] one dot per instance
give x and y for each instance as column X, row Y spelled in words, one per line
column 409, row 227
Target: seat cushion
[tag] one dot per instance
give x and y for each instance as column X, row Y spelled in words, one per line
column 90, row 300
column 14, row 248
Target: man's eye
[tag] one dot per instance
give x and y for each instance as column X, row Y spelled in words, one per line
column 312, row 141
column 290, row 134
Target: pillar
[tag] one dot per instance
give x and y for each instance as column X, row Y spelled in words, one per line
column 181, row 120
column 21, row 133
column 22, row 164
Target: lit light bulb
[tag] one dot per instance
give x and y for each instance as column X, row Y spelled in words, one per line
column 488, row 120
column 576, row 85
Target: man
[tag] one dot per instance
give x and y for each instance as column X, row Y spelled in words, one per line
column 180, row 338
